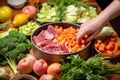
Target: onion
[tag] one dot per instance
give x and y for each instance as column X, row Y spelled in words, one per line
column 30, row 10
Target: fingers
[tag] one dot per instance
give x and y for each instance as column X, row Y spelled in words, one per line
column 80, row 35
column 82, row 32
column 92, row 36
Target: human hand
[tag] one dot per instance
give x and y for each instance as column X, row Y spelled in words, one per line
column 90, row 28
column 94, row 26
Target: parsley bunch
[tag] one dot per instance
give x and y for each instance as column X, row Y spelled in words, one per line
column 92, row 69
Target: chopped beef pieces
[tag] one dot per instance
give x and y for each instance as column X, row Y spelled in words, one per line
column 44, row 40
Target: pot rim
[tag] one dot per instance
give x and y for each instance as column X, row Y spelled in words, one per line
column 76, row 25
column 20, row 76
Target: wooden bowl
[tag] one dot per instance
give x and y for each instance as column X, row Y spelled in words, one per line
column 105, row 55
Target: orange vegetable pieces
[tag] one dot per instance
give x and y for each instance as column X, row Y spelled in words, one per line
column 108, row 46
column 98, row 43
column 85, row 36
column 117, row 48
column 83, row 40
column 83, row 45
column 67, row 38
column 36, row 1
column 56, row 27
column 75, row 48
column 101, row 47
column 33, row 1
column 109, row 52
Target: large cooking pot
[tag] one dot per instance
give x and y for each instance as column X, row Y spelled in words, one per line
column 50, row 57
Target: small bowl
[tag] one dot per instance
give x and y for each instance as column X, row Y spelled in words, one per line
column 50, row 57
column 17, row 4
column 23, row 77
column 106, row 55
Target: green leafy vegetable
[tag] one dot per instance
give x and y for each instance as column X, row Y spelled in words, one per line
column 3, row 34
column 92, row 69
column 47, row 14
column 13, row 47
column 66, row 11
column 80, row 9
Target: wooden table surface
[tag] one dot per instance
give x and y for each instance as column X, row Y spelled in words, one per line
column 92, row 2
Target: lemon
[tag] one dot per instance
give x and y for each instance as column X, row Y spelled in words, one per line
column 20, row 19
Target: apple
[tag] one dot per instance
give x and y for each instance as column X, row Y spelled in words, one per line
column 40, row 67
column 25, row 65
column 30, row 10
column 32, row 57
column 46, row 77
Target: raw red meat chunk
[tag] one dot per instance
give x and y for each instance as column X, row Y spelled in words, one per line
column 44, row 40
